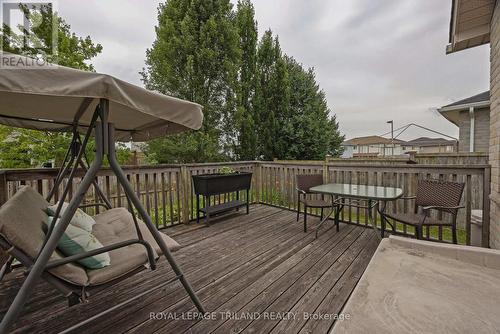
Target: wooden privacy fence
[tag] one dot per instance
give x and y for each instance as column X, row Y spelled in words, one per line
column 167, row 192
column 278, row 187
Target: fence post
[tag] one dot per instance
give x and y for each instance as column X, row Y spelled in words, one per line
column 325, row 170
column 468, row 209
column 4, row 193
column 184, row 193
column 258, row 182
column 485, row 237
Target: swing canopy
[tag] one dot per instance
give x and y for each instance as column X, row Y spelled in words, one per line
column 49, row 97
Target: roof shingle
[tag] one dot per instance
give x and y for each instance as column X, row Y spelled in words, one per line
column 371, row 140
column 482, row 97
column 426, row 141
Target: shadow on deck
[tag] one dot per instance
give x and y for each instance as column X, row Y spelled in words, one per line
column 255, row 273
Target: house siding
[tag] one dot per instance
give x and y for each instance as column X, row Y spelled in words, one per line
column 481, row 130
column 494, row 149
column 436, row 149
column 464, row 131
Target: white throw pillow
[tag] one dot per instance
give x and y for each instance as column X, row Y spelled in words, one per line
column 80, row 219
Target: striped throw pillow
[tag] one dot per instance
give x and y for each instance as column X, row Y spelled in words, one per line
column 80, row 218
column 76, row 240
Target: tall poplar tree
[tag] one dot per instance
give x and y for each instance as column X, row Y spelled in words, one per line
column 309, row 129
column 293, row 120
column 195, row 56
column 271, row 96
column 246, row 146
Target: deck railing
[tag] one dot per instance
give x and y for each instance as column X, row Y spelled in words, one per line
column 167, row 192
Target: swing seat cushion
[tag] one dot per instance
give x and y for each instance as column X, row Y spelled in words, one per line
column 22, row 224
column 116, row 225
column 22, row 220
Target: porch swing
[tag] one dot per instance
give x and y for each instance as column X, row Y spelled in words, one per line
column 56, row 98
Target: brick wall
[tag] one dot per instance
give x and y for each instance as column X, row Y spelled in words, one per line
column 495, row 128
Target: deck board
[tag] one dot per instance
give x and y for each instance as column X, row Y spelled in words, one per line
column 261, row 264
column 312, row 286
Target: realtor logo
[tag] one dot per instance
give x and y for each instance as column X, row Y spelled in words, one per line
column 29, row 29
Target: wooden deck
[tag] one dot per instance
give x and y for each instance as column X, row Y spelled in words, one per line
column 257, row 273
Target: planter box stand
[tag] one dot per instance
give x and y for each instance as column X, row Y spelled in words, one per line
column 216, row 184
column 210, row 210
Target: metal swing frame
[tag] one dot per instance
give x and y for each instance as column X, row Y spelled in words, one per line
column 104, row 147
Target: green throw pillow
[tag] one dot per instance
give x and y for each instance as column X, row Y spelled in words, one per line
column 76, row 240
column 80, row 219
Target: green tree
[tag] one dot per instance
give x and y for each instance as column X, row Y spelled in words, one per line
column 272, row 97
column 307, row 127
column 71, row 50
column 27, row 148
column 195, row 56
column 336, row 139
column 22, row 148
column 258, row 102
column 293, row 119
column 246, row 147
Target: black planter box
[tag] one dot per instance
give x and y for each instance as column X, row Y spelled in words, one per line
column 214, row 184
column 207, row 185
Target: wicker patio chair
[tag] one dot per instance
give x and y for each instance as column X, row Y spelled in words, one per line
column 437, row 195
column 304, row 184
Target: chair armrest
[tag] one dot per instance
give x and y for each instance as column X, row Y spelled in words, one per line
column 301, row 191
column 408, row 197
column 93, row 204
column 84, row 255
column 437, row 207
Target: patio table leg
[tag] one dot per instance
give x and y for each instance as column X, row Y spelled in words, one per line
column 383, row 218
column 335, row 208
column 372, row 221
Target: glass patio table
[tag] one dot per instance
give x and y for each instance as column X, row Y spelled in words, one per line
column 374, row 196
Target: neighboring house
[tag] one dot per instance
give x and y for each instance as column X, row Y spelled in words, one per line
column 430, row 145
column 347, row 150
column 138, row 155
column 476, row 23
column 472, row 116
column 371, row 146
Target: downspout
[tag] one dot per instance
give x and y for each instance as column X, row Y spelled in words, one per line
column 472, row 126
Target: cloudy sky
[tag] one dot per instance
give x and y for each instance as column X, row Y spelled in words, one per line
column 376, row 60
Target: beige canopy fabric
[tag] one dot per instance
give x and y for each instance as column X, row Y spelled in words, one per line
column 48, row 97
